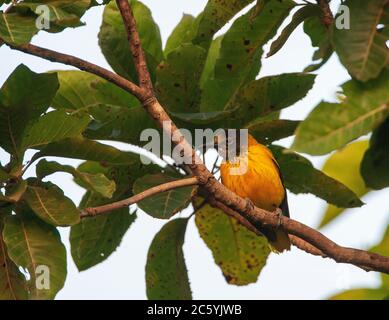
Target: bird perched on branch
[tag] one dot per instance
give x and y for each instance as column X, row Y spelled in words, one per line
column 252, row 172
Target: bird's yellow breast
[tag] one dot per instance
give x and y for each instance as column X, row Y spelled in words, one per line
column 261, row 182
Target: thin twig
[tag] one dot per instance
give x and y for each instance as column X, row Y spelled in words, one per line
column 96, row 211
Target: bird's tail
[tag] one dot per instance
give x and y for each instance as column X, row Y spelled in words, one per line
column 278, row 239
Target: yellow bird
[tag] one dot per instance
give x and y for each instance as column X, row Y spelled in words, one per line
column 260, row 182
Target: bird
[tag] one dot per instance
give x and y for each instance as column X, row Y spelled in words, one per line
column 260, row 181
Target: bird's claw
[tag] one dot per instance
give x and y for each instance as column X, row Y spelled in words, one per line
column 279, row 214
column 249, row 205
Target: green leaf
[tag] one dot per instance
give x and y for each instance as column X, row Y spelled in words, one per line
column 301, row 177
column 239, row 253
column 320, row 37
column 240, row 53
column 361, row 294
column 163, row 205
column 81, row 148
column 119, row 123
column 213, row 54
column 52, row 127
column 98, row 182
column 93, row 240
column 241, row 46
column 215, row 15
column 274, row 93
column 12, row 281
column 267, row 131
column 23, row 98
column 344, row 166
column 166, row 273
column 50, row 204
column 331, row 126
column 114, row 44
column 299, row 17
column 32, row 243
column 17, row 29
column 61, row 13
column 79, row 90
column 374, row 167
column 181, row 34
column 177, row 84
column 362, row 48
column 4, row 176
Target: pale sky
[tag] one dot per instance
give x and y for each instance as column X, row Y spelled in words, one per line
column 294, row 275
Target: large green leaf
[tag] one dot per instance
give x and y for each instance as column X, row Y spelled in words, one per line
column 163, row 205
column 331, row 126
column 215, row 15
column 80, row 89
column 301, row 177
column 61, row 13
column 81, row 148
column 267, row 131
column 178, row 78
column 166, row 273
column 114, row 44
column 320, row 37
column 53, row 126
column 16, row 28
column 97, row 182
column 32, row 243
column 344, row 166
column 94, row 239
column 50, row 204
column 240, row 253
column 119, row 123
column 375, row 164
column 362, row 48
column 12, row 282
column 23, row 98
column 240, row 53
column 361, row 294
column 181, row 34
column 305, row 12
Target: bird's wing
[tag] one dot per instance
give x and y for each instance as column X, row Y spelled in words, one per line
column 284, row 204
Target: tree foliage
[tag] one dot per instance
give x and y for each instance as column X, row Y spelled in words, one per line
column 204, row 82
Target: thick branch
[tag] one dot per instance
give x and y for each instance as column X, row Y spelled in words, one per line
column 96, row 211
column 55, row 56
column 135, row 45
column 327, row 16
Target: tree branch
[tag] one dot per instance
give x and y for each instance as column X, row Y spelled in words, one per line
column 135, row 46
column 70, row 60
column 327, row 16
column 96, row 211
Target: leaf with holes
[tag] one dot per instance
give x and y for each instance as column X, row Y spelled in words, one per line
column 362, row 48
column 166, row 272
column 114, row 44
column 239, row 253
column 366, row 107
column 177, row 84
column 33, row 244
column 344, row 166
column 50, row 204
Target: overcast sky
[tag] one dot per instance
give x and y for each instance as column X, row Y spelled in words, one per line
column 294, row 275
